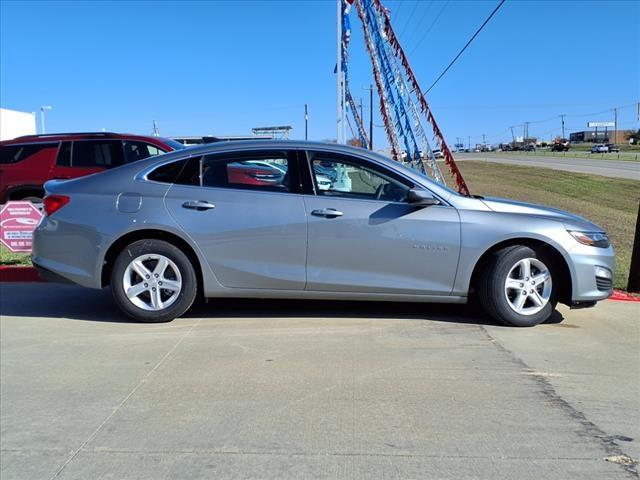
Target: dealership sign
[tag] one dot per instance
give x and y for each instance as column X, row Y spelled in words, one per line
column 18, row 220
column 601, row 124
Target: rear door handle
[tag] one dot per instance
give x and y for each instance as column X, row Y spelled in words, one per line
column 327, row 212
column 199, row 205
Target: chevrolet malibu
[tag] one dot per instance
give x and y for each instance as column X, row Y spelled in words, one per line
column 166, row 230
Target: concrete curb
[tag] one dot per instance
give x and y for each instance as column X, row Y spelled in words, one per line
column 620, row 296
column 19, row 274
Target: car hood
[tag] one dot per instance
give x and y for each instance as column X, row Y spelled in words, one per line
column 570, row 220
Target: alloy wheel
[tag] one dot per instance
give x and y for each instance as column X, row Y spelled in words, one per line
column 152, row 282
column 528, row 286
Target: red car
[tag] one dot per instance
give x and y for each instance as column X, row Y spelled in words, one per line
column 26, row 163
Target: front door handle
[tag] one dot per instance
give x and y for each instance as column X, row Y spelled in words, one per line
column 327, row 212
column 199, row 205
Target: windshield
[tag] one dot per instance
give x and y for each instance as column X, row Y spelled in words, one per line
column 173, row 144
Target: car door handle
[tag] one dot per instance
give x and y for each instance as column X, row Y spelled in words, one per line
column 327, row 212
column 199, row 205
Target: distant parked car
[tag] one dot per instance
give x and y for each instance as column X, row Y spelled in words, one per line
column 600, row 148
column 437, row 153
column 613, row 147
column 27, row 162
column 323, row 181
column 561, row 145
column 529, row 148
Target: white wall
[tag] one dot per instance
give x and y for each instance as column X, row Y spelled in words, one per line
column 15, row 124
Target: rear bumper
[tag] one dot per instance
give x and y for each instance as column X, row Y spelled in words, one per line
column 67, row 252
column 49, row 276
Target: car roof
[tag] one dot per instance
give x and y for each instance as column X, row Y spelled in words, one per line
column 56, row 137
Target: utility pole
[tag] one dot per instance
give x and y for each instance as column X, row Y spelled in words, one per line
column 340, row 127
column 484, row 141
column 155, row 131
column 306, row 122
column 562, row 122
column 633, row 284
column 370, row 116
column 43, row 108
column 469, row 143
column 615, row 125
column 526, row 132
column 513, row 137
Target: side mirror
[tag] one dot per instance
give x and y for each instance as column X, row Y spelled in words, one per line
column 421, row 198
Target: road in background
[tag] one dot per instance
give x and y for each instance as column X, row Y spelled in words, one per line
column 274, row 389
column 607, row 168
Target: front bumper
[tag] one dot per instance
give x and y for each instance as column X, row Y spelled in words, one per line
column 592, row 271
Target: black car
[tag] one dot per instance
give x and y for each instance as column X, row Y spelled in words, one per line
column 613, row 148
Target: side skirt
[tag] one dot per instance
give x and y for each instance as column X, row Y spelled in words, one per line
column 319, row 295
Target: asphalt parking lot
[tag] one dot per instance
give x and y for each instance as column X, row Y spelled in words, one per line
column 256, row 389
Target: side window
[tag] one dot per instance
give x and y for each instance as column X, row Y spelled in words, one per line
column 338, row 176
column 181, row 172
column 134, row 151
column 17, row 153
column 64, row 155
column 272, row 171
column 97, row 153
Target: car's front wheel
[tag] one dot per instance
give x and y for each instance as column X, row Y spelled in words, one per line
column 153, row 281
column 516, row 287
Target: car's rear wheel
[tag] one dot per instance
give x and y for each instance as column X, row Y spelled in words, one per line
column 516, row 287
column 153, row 281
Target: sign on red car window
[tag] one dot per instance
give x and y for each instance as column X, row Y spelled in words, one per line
column 18, row 220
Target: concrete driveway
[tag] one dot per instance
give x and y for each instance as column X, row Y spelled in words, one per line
column 294, row 390
column 594, row 166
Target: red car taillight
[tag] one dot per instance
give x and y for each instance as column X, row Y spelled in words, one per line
column 53, row 203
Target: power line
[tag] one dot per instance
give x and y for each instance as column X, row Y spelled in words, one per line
column 419, row 22
column 465, row 47
column 415, row 5
column 400, row 4
column 424, row 35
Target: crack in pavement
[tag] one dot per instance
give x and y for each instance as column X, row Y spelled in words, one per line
column 589, row 429
column 110, row 451
column 142, row 381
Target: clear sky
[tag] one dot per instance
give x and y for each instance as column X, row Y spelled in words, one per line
column 222, row 67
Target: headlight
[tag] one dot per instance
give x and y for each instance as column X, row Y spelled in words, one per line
column 593, row 239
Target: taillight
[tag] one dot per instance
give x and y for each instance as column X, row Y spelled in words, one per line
column 53, row 203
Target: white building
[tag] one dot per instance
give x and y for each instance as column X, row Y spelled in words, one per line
column 15, row 124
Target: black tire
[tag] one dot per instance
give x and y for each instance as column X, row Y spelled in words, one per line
column 185, row 297
column 491, row 286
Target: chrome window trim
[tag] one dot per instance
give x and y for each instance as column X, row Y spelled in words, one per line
column 142, row 175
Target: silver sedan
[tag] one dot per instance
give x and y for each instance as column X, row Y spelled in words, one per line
column 249, row 219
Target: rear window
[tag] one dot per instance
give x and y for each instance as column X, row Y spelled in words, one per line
column 17, row 153
column 182, row 172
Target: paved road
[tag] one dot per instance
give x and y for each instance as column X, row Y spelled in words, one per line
column 314, row 390
column 608, row 168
